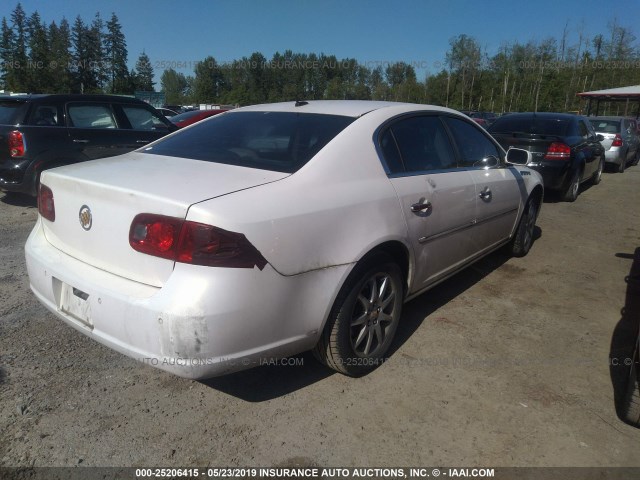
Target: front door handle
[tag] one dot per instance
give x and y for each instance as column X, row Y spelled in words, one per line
column 78, row 140
column 420, row 207
column 142, row 141
column 485, row 194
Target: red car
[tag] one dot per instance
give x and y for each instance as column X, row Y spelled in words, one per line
column 193, row 116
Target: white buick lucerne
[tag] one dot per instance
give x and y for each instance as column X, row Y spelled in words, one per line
column 274, row 229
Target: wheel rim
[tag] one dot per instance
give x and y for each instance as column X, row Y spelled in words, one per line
column 575, row 186
column 600, row 168
column 374, row 315
column 530, row 225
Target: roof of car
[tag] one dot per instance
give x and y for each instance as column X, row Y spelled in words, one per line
column 70, row 97
column 348, row 108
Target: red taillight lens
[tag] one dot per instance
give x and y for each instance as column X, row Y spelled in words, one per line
column 192, row 242
column 617, row 141
column 155, row 235
column 558, row 151
column 46, row 206
column 17, row 147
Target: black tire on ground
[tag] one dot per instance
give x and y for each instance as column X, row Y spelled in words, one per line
column 572, row 190
column 364, row 318
column 523, row 238
column 597, row 176
column 631, row 401
column 636, row 158
column 622, row 165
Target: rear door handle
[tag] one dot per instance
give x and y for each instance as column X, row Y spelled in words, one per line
column 420, row 207
column 78, row 140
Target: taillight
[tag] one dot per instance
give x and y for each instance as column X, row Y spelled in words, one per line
column 17, row 147
column 191, row 242
column 46, row 206
column 617, row 141
column 558, row 151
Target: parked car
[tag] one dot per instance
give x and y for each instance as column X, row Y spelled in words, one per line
column 620, row 140
column 565, row 149
column 481, row 118
column 187, row 118
column 167, row 112
column 38, row 132
column 275, row 229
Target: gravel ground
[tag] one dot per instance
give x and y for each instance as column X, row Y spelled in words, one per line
column 506, row 364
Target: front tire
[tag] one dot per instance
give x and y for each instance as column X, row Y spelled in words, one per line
column 523, row 238
column 364, row 318
column 622, row 165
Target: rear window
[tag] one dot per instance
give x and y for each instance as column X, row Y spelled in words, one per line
column 9, row 111
column 277, row 141
column 606, row 126
column 530, row 125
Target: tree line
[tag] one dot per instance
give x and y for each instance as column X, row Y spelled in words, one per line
column 538, row 75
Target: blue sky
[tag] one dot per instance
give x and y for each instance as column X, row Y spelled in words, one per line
column 178, row 33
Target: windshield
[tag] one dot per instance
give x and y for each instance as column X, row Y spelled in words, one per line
column 530, row 124
column 278, row 141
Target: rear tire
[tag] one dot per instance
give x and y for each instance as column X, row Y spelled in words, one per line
column 631, row 401
column 364, row 318
column 523, row 238
column 636, row 158
column 572, row 191
column 622, row 165
column 597, row 177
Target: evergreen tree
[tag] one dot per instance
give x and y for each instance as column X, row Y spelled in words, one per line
column 115, row 50
column 174, row 86
column 17, row 76
column 60, row 63
column 7, row 41
column 144, row 74
column 39, row 78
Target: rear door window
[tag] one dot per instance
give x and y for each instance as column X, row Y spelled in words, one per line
column 85, row 115
column 10, row 111
column 422, row 145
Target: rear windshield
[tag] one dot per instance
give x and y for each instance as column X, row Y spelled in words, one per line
column 606, row 126
column 278, row 141
column 9, row 110
column 530, row 125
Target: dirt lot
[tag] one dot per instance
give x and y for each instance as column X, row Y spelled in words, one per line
column 506, row 364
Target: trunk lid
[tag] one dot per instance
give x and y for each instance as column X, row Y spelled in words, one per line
column 117, row 189
column 534, row 143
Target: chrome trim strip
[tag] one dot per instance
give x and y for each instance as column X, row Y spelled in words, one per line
column 464, row 227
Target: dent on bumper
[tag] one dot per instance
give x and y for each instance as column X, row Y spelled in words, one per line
column 201, row 323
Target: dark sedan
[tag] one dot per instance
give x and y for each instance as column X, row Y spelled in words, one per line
column 565, row 148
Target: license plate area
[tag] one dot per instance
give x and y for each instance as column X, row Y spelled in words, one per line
column 75, row 303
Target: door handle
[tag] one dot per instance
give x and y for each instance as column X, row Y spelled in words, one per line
column 420, row 207
column 485, row 194
column 142, row 141
column 77, row 140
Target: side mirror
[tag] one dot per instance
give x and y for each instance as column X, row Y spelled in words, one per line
column 518, row 156
column 599, row 137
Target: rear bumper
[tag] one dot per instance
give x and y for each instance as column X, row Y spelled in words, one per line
column 16, row 177
column 614, row 155
column 555, row 175
column 203, row 322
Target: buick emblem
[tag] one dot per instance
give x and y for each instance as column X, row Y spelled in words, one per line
column 85, row 217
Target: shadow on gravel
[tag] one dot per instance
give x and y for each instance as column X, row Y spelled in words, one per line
column 3, row 376
column 19, row 200
column 625, row 334
column 272, row 381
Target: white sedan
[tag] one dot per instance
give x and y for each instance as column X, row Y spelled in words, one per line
column 274, row 229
